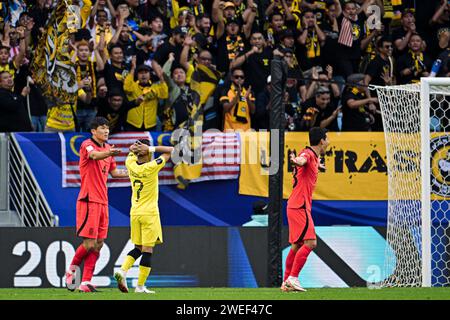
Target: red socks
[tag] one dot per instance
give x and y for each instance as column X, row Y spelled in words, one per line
column 299, row 260
column 289, row 262
column 79, row 256
column 89, row 265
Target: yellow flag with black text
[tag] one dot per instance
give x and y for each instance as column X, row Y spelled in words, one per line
column 355, row 166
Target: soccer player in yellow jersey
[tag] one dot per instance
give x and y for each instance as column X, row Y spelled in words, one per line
column 145, row 224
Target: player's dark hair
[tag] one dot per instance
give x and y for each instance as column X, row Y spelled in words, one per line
column 383, row 40
column 118, row 3
column 153, row 18
column 113, row 46
column 98, row 122
column 305, row 11
column 175, row 66
column 350, row 2
column 275, row 13
column 201, row 16
column 101, row 10
column 237, row 69
column 2, row 47
column 144, row 141
column 316, row 134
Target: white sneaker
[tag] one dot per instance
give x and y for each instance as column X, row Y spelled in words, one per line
column 285, row 288
column 293, row 283
column 121, row 279
column 142, row 289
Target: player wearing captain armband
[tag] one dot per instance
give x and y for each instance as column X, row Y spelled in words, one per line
column 302, row 235
column 145, row 223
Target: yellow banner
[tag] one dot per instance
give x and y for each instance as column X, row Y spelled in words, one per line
column 355, row 162
column 356, row 166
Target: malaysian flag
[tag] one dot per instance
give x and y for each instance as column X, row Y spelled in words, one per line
column 346, row 34
column 221, row 156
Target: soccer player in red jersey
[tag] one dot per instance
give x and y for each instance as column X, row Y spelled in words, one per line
column 96, row 162
column 302, row 235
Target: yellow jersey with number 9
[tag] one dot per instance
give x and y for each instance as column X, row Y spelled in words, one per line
column 144, row 184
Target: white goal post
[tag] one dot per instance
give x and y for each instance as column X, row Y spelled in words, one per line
column 416, row 120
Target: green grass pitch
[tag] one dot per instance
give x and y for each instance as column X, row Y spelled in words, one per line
column 232, row 294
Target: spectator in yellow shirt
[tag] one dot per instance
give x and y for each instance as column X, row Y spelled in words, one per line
column 238, row 103
column 144, row 116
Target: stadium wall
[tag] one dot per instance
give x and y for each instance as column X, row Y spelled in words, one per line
column 194, row 257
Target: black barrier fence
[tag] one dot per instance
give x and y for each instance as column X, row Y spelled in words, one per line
column 189, row 256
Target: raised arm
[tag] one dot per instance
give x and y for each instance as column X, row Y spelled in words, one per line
column 216, row 12
column 92, row 15
column 249, row 24
column 287, row 11
column 184, row 57
column 119, row 29
column 18, row 59
column 6, row 38
column 101, row 155
column 298, row 161
column 270, row 8
column 99, row 47
column 320, row 34
column 111, row 8
column 338, row 6
column 141, row 148
column 239, row 61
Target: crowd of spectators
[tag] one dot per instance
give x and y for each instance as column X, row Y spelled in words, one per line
column 146, row 64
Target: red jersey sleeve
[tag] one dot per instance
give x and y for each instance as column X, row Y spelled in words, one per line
column 304, row 181
column 113, row 164
column 86, row 148
column 305, row 154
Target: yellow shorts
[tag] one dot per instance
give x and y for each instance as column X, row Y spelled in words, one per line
column 146, row 230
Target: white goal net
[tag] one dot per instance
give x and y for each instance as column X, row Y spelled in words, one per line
column 416, row 121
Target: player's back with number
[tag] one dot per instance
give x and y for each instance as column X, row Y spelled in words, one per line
column 144, row 184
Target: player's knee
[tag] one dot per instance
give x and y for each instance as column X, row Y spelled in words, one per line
column 147, row 249
column 89, row 244
column 136, row 252
column 311, row 244
column 99, row 245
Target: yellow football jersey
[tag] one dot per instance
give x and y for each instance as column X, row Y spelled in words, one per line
column 144, row 183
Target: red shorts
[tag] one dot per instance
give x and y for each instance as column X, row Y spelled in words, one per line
column 301, row 225
column 92, row 220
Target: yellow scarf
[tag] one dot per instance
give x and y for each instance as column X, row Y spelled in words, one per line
column 240, row 111
column 90, row 72
column 234, row 46
column 313, row 45
column 418, row 60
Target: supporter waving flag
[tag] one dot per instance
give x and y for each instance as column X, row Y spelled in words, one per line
column 346, row 35
column 16, row 7
column 204, row 81
column 52, row 68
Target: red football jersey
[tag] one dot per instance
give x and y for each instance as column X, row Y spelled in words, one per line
column 94, row 173
column 305, row 179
